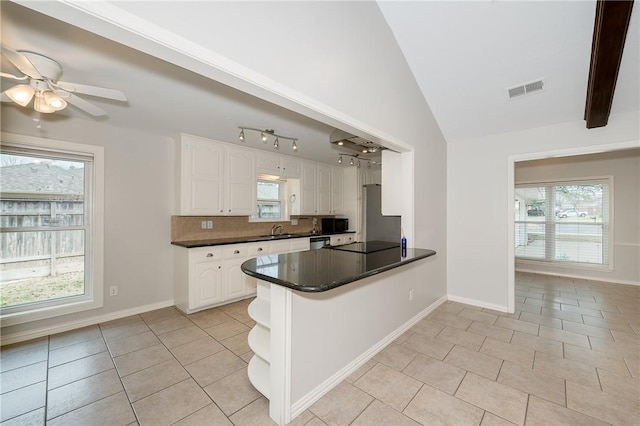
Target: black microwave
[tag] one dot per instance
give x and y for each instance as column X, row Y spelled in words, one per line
column 334, row 225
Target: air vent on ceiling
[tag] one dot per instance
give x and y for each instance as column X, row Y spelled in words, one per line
column 525, row 88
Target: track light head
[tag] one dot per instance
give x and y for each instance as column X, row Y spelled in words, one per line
column 340, row 159
column 276, row 145
column 294, row 146
column 241, row 136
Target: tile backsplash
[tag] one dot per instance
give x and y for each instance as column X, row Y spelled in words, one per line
column 187, row 228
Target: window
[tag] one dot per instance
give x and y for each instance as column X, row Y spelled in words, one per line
column 49, row 229
column 566, row 222
column 270, row 196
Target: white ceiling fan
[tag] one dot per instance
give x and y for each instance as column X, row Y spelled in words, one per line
column 40, row 81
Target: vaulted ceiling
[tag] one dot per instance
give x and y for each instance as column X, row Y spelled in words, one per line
column 464, row 56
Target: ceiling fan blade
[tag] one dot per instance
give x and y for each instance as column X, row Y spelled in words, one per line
column 92, row 90
column 21, row 62
column 84, row 105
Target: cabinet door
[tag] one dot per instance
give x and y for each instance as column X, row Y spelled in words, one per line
column 241, row 182
column 308, row 188
column 268, row 162
column 324, row 189
column 337, row 190
column 290, row 166
column 207, row 284
column 202, row 189
column 235, row 279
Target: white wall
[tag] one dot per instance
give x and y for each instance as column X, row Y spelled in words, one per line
column 479, row 260
column 138, row 208
column 624, row 166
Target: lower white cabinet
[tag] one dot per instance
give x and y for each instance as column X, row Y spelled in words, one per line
column 341, row 239
column 205, row 277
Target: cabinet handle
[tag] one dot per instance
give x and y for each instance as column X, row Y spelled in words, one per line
column 209, row 254
column 221, row 211
column 236, row 252
column 229, row 210
column 219, row 267
column 259, row 248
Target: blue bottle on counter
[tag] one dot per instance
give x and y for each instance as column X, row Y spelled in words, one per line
column 403, row 245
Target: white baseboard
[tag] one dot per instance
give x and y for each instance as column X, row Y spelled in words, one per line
column 59, row 328
column 578, row 276
column 309, row 399
column 478, row 303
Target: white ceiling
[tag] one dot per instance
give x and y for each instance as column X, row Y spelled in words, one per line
column 463, row 55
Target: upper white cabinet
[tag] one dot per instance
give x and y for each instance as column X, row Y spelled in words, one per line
column 277, row 164
column 337, row 190
column 308, row 188
column 321, row 189
column 215, row 178
column 323, row 194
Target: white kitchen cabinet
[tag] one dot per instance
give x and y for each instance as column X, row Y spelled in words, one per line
column 215, row 178
column 240, row 188
column 341, row 239
column 308, row 188
column 205, row 277
column 323, row 193
column 281, row 165
column 291, row 166
column 337, row 190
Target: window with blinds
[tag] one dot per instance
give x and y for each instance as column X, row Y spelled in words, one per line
column 563, row 221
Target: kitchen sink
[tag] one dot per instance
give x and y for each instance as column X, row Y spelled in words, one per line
column 278, row 236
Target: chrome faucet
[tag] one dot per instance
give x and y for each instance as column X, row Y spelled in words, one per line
column 276, row 226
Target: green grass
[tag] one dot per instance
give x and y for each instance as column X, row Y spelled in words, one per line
column 38, row 289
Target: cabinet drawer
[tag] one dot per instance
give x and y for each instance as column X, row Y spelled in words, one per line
column 199, row 254
column 234, row 251
column 257, row 249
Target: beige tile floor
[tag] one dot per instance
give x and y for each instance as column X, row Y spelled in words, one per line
column 570, row 354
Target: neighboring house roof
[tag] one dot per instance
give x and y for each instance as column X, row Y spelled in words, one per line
column 42, row 178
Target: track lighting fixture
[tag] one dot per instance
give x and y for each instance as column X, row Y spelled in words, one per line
column 355, row 160
column 264, row 136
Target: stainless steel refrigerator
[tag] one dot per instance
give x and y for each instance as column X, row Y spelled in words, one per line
column 375, row 226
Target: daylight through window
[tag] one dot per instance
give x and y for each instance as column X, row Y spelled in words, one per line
column 45, row 221
column 270, row 193
column 563, row 222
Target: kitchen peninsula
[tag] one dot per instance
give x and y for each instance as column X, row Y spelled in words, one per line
column 321, row 314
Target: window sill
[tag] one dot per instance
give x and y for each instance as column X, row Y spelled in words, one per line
column 565, row 265
column 42, row 311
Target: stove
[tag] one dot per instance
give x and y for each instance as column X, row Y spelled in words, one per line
column 366, row 247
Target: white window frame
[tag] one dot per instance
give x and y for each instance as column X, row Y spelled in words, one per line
column 281, row 195
column 94, row 291
column 608, row 266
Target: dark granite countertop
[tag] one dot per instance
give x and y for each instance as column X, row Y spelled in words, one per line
column 324, row 269
column 250, row 239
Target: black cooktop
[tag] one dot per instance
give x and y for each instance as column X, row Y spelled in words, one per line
column 366, row 247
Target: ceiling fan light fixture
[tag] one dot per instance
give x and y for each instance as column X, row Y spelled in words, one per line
column 40, row 105
column 54, row 101
column 21, row 94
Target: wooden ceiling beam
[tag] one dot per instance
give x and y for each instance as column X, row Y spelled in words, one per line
column 609, row 34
